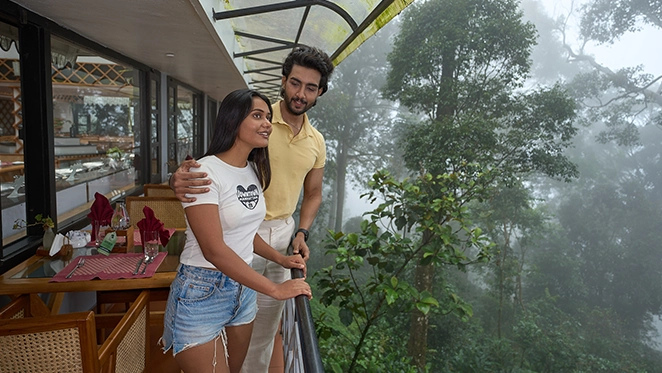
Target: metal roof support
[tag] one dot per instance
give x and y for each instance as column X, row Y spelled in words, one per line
column 260, row 51
column 264, row 38
column 285, row 6
column 275, row 63
column 302, row 25
column 266, row 81
column 263, row 70
column 379, row 9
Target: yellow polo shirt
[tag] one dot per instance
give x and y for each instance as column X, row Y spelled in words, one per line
column 291, row 157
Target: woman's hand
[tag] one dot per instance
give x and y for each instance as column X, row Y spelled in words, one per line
column 292, row 288
column 293, row 261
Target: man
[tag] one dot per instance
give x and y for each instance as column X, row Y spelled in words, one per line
column 297, row 155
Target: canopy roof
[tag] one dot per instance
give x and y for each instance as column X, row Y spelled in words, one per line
column 266, row 31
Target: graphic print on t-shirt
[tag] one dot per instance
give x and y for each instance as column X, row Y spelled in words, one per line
column 250, row 197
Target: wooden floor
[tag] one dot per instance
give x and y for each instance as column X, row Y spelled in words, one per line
column 165, row 363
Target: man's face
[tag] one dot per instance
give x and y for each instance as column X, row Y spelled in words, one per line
column 301, row 89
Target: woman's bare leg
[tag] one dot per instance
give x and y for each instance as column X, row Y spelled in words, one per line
column 238, row 339
column 206, row 358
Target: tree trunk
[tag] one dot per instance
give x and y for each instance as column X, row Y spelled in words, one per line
column 342, row 158
column 418, row 329
column 332, row 207
column 341, row 176
column 500, row 265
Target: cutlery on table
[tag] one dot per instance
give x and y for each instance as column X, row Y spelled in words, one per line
column 149, row 260
column 140, row 262
column 81, row 262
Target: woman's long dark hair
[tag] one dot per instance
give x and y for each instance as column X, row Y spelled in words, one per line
column 235, row 107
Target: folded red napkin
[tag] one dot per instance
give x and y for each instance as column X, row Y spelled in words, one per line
column 151, row 223
column 100, row 210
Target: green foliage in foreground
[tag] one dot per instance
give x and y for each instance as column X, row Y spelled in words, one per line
column 370, row 284
column 382, row 348
column 364, row 301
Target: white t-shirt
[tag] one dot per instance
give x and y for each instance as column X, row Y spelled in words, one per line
column 241, row 207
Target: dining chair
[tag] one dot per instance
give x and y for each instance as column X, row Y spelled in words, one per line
column 158, row 190
column 67, row 342
column 25, row 305
column 167, row 209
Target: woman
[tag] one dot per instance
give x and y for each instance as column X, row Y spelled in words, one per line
column 212, row 301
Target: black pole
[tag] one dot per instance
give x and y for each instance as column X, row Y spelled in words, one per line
column 312, row 361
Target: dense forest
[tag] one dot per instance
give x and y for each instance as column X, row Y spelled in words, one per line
column 515, row 190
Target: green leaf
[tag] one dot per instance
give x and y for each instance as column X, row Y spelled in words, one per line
column 423, row 307
column 431, row 301
column 391, row 295
column 346, row 316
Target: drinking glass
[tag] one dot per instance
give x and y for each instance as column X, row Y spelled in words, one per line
column 100, row 230
column 120, row 219
column 150, row 244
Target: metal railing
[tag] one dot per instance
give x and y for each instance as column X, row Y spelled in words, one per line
column 300, row 350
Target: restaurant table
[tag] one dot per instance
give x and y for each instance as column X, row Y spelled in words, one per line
column 34, row 275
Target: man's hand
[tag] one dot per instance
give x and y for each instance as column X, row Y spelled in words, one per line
column 299, row 246
column 182, row 181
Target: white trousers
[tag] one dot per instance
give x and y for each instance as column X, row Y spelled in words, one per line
column 277, row 233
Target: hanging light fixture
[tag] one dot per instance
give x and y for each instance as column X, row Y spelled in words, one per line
column 63, row 55
column 8, row 35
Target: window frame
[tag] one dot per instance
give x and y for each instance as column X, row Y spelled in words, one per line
column 37, row 111
column 172, row 123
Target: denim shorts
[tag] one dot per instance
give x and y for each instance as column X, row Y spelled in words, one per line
column 201, row 303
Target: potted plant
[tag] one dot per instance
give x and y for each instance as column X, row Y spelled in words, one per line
column 115, row 155
column 46, row 223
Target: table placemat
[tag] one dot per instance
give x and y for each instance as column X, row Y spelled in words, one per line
column 114, row 266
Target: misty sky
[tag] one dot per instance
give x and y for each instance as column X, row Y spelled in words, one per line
column 633, row 49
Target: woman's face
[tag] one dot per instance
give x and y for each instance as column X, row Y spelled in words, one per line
column 255, row 129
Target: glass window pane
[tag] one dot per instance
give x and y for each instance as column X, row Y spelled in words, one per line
column 184, row 125
column 211, row 121
column 155, row 149
column 12, row 186
column 96, row 114
column 172, row 130
column 186, row 119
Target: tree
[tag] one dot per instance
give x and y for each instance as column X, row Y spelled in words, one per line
column 462, row 64
column 607, row 20
column 108, row 119
column 594, row 256
column 514, row 225
column 620, row 185
column 608, row 235
column 371, row 278
column 624, row 99
column 356, row 122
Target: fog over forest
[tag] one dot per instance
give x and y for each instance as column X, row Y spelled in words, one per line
column 508, row 154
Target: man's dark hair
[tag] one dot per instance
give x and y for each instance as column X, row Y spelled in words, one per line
column 312, row 58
